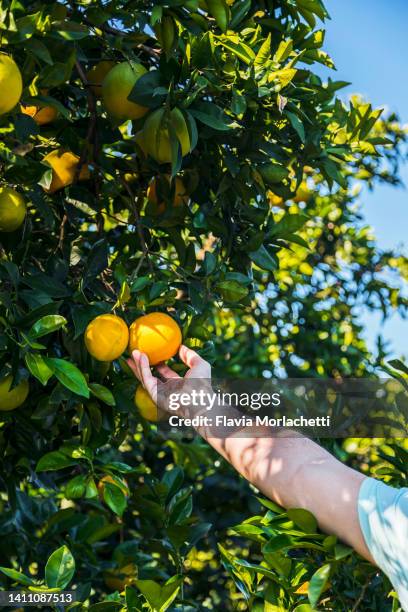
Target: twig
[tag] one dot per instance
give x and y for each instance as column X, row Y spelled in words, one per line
column 155, row 53
column 62, row 233
column 91, row 133
column 361, row 596
column 138, row 223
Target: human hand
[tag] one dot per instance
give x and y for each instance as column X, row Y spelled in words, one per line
column 139, row 364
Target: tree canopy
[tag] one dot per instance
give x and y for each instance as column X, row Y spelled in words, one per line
column 216, row 177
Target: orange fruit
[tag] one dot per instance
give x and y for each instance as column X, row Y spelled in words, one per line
column 118, row 579
column 41, row 114
column 157, row 335
column 11, row 84
column 274, row 199
column 12, row 209
column 156, row 134
column 146, row 406
column 106, row 337
column 303, row 194
column 9, row 400
column 64, row 165
column 96, row 75
column 116, row 88
column 180, row 196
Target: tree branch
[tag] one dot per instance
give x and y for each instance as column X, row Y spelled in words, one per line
column 134, row 203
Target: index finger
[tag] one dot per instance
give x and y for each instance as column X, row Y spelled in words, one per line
column 193, row 360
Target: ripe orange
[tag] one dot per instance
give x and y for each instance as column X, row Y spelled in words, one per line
column 96, row 75
column 303, row 194
column 9, row 400
column 11, row 84
column 146, row 406
column 274, row 199
column 116, row 88
column 41, row 114
column 64, row 165
column 157, row 335
column 121, row 484
column 180, row 196
column 156, row 134
column 106, row 337
column 118, row 579
column 12, row 209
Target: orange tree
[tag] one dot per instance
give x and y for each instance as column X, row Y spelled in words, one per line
column 181, row 157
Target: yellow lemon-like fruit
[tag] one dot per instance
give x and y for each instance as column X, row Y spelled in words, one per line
column 146, row 406
column 12, row 209
column 180, row 196
column 118, row 579
column 303, row 194
column 96, row 75
column 157, row 335
column 64, row 165
column 106, row 337
column 122, row 485
column 156, row 134
column 9, row 400
column 116, row 87
column 274, row 199
column 41, row 114
column 11, row 84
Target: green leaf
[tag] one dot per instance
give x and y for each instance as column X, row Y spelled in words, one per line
column 284, row 50
column 148, row 90
column 317, row 584
column 139, row 284
column 160, row 597
column 303, row 519
column 239, row 11
column 47, row 325
column 114, row 498
column 60, row 568
column 38, row 367
column 68, row 375
column 297, row 125
column 106, row 606
column 180, row 507
column 17, row 576
column 220, row 11
column 102, row 393
column 397, row 364
column 212, row 116
column 238, row 48
column 273, row 172
column 288, row 225
column 264, row 52
column 55, row 460
column 37, row 48
column 76, row 487
column 270, row 505
column 276, row 543
column 264, row 260
column 231, row 290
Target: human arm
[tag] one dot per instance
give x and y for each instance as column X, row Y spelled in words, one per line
column 293, row 471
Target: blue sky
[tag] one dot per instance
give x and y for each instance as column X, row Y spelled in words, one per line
column 368, row 41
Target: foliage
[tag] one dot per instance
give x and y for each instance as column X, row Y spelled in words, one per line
column 257, row 288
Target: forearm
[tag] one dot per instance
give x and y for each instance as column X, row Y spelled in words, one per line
column 298, row 473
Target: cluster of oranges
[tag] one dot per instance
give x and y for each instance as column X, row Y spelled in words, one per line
column 112, row 83
column 107, row 337
column 155, row 334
